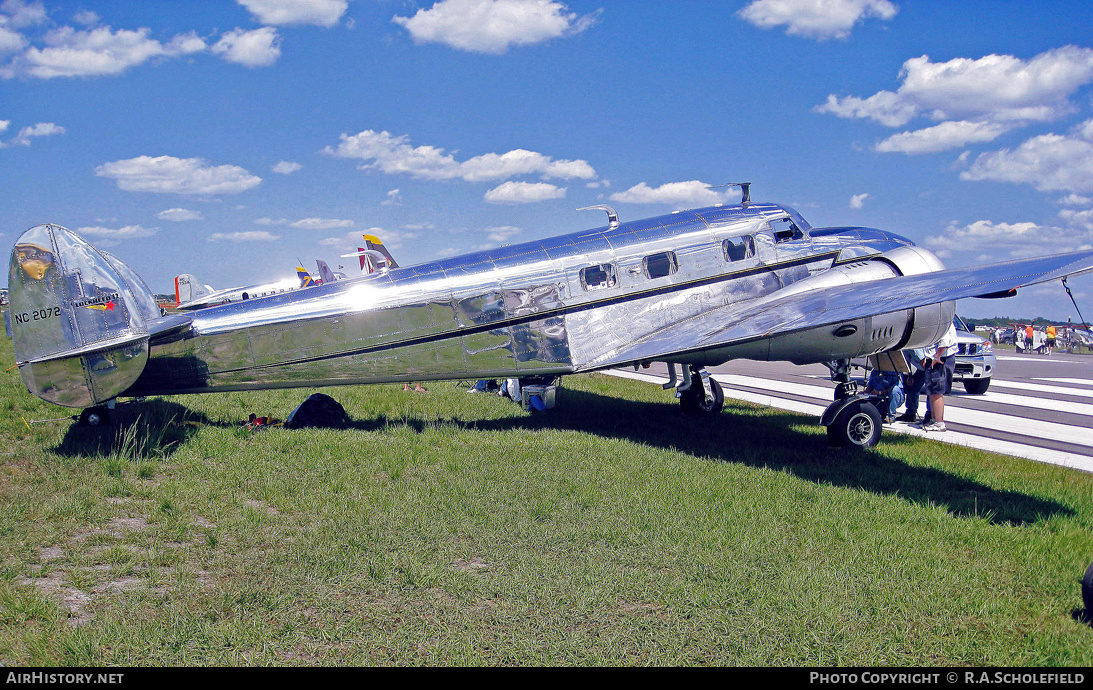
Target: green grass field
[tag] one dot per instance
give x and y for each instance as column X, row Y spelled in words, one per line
column 456, row 529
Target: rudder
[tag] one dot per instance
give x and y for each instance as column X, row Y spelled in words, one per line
column 79, row 323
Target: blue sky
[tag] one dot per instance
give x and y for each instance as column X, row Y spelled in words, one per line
column 229, row 139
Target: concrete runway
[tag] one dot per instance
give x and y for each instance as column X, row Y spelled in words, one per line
column 1038, row 406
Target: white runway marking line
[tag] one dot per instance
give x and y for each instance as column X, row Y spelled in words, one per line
column 956, row 415
column 1080, row 382
column 1041, row 388
column 1020, row 450
column 1044, row 358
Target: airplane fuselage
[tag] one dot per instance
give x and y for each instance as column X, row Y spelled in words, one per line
column 553, row 306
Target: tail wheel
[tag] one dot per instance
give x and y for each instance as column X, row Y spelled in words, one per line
column 95, row 416
column 857, row 426
column 693, row 400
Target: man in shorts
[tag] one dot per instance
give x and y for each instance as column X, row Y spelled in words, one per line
column 940, row 363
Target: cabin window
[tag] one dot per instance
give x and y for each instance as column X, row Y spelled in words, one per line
column 660, row 265
column 595, row 277
column 739, row 248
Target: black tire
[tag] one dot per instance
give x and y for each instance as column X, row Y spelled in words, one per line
column 977, row 386
column 693, row 400
column 857, row 426
column 95, row 416
column 1087, row 592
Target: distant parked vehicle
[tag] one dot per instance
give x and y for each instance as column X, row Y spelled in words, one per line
column 1075, row 338
column 975, row 359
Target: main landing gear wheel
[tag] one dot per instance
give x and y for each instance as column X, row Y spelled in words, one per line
column 95, row 416
column 857, row 426
column 693, row 400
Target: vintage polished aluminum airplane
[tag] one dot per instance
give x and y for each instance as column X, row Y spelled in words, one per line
column 693, row 288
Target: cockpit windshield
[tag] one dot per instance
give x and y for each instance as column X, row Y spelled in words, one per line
column 797, row 218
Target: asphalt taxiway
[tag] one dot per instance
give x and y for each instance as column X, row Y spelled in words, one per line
column 1038, row 406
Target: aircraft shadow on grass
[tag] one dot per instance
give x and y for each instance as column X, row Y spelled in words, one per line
column 770, row 440
column 151, row 429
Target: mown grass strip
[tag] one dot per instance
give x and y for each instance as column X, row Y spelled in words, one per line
column 456, row 529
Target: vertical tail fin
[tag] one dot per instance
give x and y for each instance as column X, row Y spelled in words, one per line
column 80, row 318
column 375, row 244
column 324, row 272
column 305, row 277
column 188, row 288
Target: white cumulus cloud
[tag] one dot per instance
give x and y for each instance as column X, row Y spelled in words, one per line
column 393, row 199
column 985, row 241
column 674, row 193
column 318, row 12
column 257, row 48
column 1075, row 200
column 96, row 52
column 245, row 236
column 523, row 193
column 974, row 98
column 10, row 41
column 493, row 26
column 941, row 137
column 503, row 233
column 20, row 13
column 167, row 174
column 129, row 232
column 819, row 19
column 42, row 129
column 179, row 215
column 322, row 223
column 286, row 167
column 1081, row 219
column 858, row 200
column 395, row 155
column 1050, row 162
column 86, row 17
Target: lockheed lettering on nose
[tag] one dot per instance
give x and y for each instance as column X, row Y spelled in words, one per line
column 692, row 289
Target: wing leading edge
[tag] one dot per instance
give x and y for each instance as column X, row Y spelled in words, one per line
column 781, row 314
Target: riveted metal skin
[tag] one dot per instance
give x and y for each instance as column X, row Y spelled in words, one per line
column 744, row 281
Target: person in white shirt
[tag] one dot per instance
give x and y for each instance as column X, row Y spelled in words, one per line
column 940, row 363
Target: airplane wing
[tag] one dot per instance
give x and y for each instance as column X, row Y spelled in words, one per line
column 779, row 314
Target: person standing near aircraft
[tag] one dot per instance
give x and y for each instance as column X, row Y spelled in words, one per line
column 1051, row 333
column 940, row 364
column 912, row 383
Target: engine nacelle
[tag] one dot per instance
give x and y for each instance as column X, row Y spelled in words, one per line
column 906, row 328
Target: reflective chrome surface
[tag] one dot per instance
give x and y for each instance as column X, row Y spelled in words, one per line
column 750, row 280
column 79, row 324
